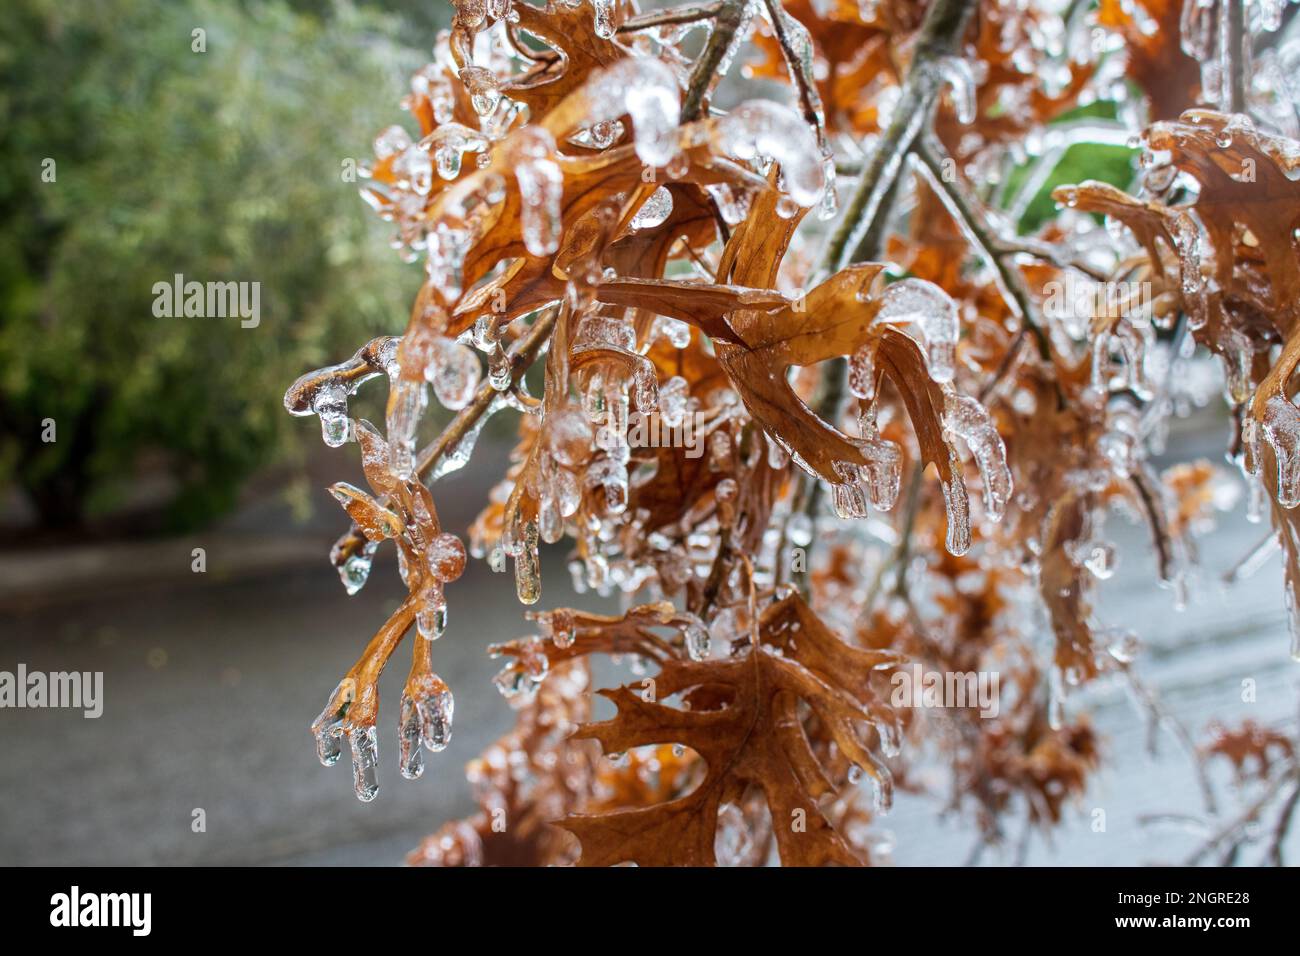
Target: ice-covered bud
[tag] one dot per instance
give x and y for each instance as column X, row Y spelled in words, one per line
column 447, row 557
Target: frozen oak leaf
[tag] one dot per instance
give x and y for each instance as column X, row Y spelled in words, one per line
column 1153, row 54
column 746, row 722
column 575, row 49
column 758, row 335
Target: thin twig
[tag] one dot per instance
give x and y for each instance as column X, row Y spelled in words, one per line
column 810, row 101
column 728, row 18
column 1283, row 825
column 970, row 213
column 1229, row 832
column 673, row 16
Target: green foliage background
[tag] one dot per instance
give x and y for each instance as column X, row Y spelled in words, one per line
column 221, row 165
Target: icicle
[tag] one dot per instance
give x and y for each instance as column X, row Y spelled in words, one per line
column 862, row 373
column 522, row 676
column 604, row 17
column 483, row 87
column 935, row 315
column 406, row 402
column 847, row 496
column 528, row 571
column 882, row 474
column 436, row 708
column 355, row 571
column 956, row 74
column 331, row 405
column 431, row 618
column 610, row 475
column 830, row 201
column 1187, row 237
column 449, row 142
column 365, row 761
column 882, row 786
column 411, row 759
column 674, row 401
column 777, row 458
column 696, row 635
column 957, row 507
column 541, row 188
column 761, row 128
column 328, row 727
column 970, row 421
column 559, row 625
column 1281, row 428
column 1056, row 698
column 1119, row 444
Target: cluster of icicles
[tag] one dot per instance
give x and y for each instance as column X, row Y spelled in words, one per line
column 645, row 89
column 578, row 457
column 928, row 309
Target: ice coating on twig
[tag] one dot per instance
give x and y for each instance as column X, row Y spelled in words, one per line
column 955, row 71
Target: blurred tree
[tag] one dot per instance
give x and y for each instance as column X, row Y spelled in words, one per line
column 221, row 164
